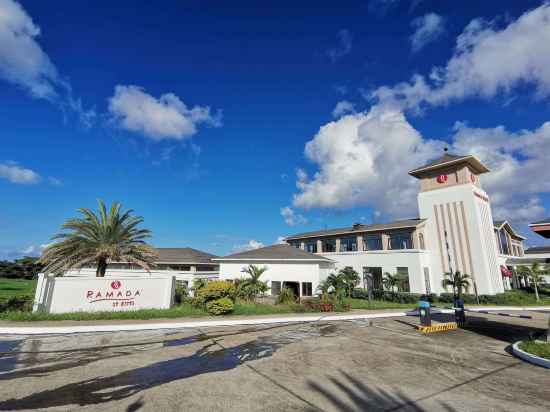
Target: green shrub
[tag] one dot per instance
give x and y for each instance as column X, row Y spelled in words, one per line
column 17, row 303
column 220, row 306
column 180, row 294
column 214, row 290
column 286, row 297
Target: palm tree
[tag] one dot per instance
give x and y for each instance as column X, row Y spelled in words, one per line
column 338, row 283
column 99, row 239
column 391, row 282
column 458, row 281
column 351, row 278
column 535, row 273
column 252, row 286
column 323, row 287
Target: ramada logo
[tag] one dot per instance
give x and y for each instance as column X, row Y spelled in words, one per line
column 116, row 293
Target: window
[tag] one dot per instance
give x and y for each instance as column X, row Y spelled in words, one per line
column 403, row 274
column 505, row 247
column 373, row 242
column 307, row 289
column 376, row 274
column 329, row 245
column 400, row 240
column 348, row 244
column 296, row 245
column 421, row 245
column 311, row 247
column 275, row 287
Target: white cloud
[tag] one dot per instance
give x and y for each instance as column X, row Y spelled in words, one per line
column 487, row 60
column 251, row 245
column 363, row 160
column 343, row 107
column 164, row 118
column 291, row 217
column 344, row 46
column 16, row 174
column 280, row 240
column 25, row 64
column 427, row 28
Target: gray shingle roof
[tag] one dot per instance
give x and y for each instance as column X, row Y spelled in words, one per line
column 450, row 159
column 537, row 249
column 276, row 252
column 360, row 228
column 183, row 255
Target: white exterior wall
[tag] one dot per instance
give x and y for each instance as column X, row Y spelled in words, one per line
column 415, row 260
column 179, row 275
column 468, row 221
column 282, row 271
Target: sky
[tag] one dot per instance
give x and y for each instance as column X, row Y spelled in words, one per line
column 230, row 126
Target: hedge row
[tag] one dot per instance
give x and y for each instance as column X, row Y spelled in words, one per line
column 510, row 297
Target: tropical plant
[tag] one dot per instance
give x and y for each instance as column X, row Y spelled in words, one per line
column 286, row 297
column 324, row 287
column 351, row 278
column 457, row 281
column 391, row 282
column 199, row 284
column 250, row 288
column 99, row 239
column 535, row 274
column 214, row 290
column 220, row 306
column 339, row 285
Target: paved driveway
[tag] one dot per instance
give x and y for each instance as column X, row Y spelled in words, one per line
column 338, row 366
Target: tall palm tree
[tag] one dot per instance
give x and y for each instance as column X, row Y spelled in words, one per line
column 535, row 274
column 351, row 278
column 391, row 282
column 99, row 239
column 458, row 281
column 252, row 286
column 338, row 283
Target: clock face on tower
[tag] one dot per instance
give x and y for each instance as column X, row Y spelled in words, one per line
column 442, row 179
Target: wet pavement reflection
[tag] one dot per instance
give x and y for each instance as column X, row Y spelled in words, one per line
column 212, row 356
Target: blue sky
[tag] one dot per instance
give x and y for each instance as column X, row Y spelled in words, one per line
column 222, row 160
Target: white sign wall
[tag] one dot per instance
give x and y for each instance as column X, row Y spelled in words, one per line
column 77, row 294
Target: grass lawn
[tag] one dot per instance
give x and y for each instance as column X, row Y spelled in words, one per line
column 540, row 349
column 16, row 287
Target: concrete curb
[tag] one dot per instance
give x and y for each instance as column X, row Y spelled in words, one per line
column 48, row 330
column 55, row 330
column 537, row 360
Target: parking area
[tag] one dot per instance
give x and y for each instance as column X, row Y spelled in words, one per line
column 330, row 366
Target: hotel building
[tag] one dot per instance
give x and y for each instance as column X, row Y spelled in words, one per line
column 454, row 231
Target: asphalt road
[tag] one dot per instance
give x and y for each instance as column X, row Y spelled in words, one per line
column 336, row 366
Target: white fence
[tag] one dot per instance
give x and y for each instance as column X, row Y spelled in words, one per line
column 91, row 294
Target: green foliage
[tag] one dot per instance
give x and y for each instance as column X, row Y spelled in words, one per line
column 535, row 274
column 457, row 281
column 540, row 349
column 17, row 303
column 391, row 282
column 350, row 278
column 24, row 268
column 286, row 297
column 199, row 284
column 214, row 290
column 181, row 293
column 249, row 288
column 97, row 239
column 219, row 306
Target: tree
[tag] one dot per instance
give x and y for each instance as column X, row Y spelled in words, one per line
column 458, row 281
column 391, row 282
column 323, row 287
column 535, row 274
column 23, row 268
column 251, row 287
column 351, row 278
column 338, row 283
column 98, row 239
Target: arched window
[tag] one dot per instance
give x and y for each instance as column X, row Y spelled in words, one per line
column 421, row 241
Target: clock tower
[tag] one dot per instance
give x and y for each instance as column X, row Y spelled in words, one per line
column 459, row 222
